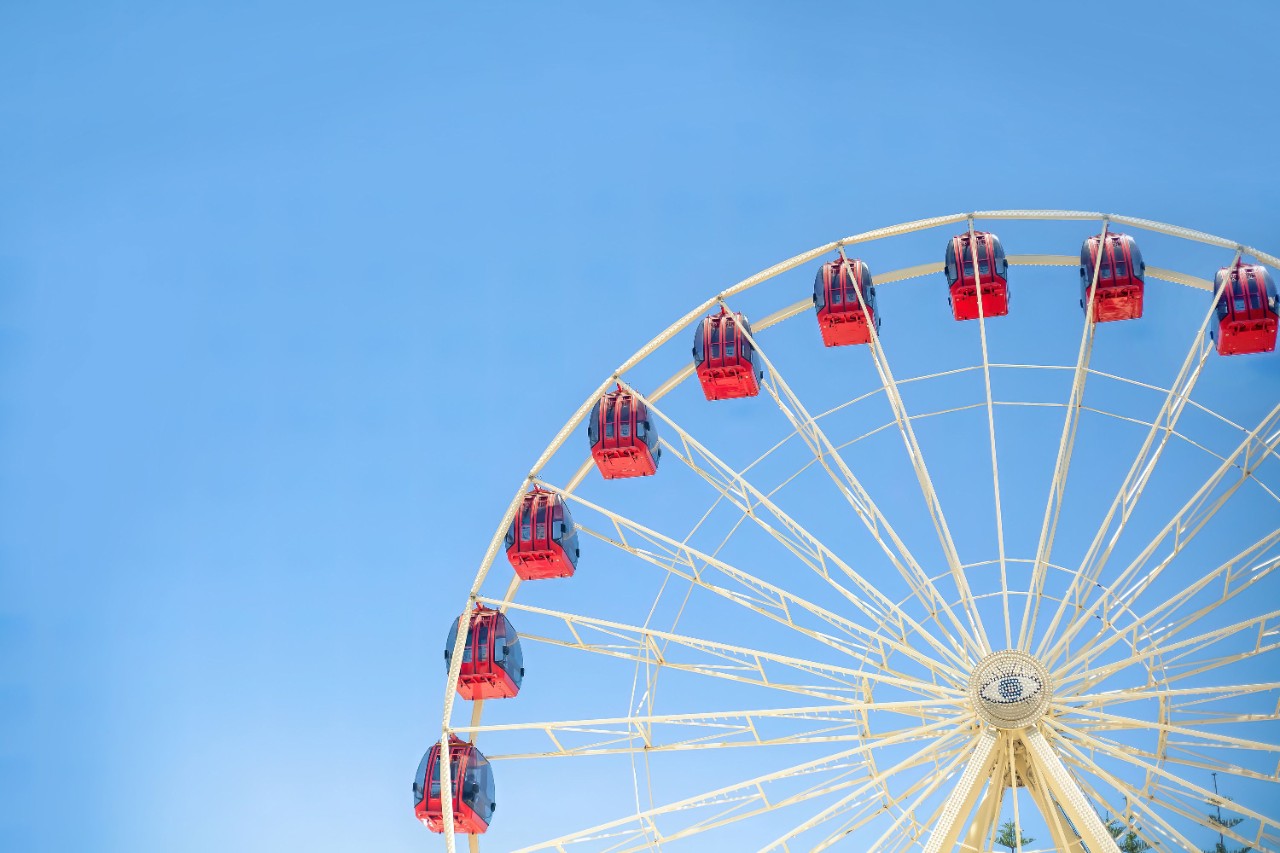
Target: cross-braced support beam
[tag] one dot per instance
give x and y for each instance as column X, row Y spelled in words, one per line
column 960, row 801
column 1063, row 789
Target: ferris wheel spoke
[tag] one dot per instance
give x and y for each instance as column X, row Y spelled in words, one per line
column 1062, row 787
column 1188, row 758
column 818, row 558
column 1064, row 838
column 867, row 768
column 1131, row 488
column 916, row 456
column 1129, row 793
column 893, row 831
column 751, row 666
column 762, row 599
column 873, row 809
column 1259, row 625
column 991, row 434
column 1155, row 771
column 864, row 506
column 1233, row 579
column 1196, row 696
column 1066, row 445
column 1119, row 722
column 1176, row 802
column 805, row 546
column 1183, row 527
column 769, row 600
column 939, row 750
column 713, row 729
column 735, row 814
column 750, row 791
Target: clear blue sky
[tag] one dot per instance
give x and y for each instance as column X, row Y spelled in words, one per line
column 275, row 278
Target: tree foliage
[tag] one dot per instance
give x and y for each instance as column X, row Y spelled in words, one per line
column 1126, row 838
column 1008, row 836
column 1225, row 823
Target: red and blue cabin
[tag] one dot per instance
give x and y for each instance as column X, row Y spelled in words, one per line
column 1247, row 312
column 1121, row 277
column 542, row 541
column 492, row 660
column 986, row 280
column 624, row 442
column 841, row 316
column 472, row 788
column 725, row 360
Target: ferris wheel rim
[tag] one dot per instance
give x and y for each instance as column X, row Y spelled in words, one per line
column 768, row 273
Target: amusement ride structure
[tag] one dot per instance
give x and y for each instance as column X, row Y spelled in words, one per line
column 898, row 582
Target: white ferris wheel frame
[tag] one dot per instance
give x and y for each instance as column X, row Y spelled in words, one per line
column 984, row 756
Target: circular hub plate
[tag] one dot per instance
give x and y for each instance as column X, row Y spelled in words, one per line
column 1010, row 689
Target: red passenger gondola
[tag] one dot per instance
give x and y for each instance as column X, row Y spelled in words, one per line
column 1121, row 273
column 492, row 660
column 472, row 789
column 1247, row 311
column 624, row 442
column 991, row 275
column 726, row 361
column 835, row 297
column 542, row 541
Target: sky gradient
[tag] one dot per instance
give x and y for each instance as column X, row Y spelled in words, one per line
column 292, row 294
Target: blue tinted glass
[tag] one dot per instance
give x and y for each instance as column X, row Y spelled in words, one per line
column 420, row 778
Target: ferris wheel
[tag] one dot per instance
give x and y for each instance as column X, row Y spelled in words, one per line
column 999, row 566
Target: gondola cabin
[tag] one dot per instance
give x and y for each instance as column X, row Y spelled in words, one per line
column 492, row 661
column 1121, row 275
column 472, row 789
column 726, row 362
column 841, row 316
column 624, row 442
column 965, row 279
column 542, row 541
column 1247, row 310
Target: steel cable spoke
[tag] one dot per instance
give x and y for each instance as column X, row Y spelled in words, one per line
column 991, row 433
column 1164, row 633
column 864, row 506
column 1140, row 470
column 1132, row 795
column 1066, row 446
column 916, row 456
column 930, row 753
column 767, row 594
column 1154, row 770
column 805, row 546
column 933, row 786
column 736, row 659
column 835, row 760
column 1183, row 527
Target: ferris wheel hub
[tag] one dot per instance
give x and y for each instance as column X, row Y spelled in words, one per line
column 1010, row 689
